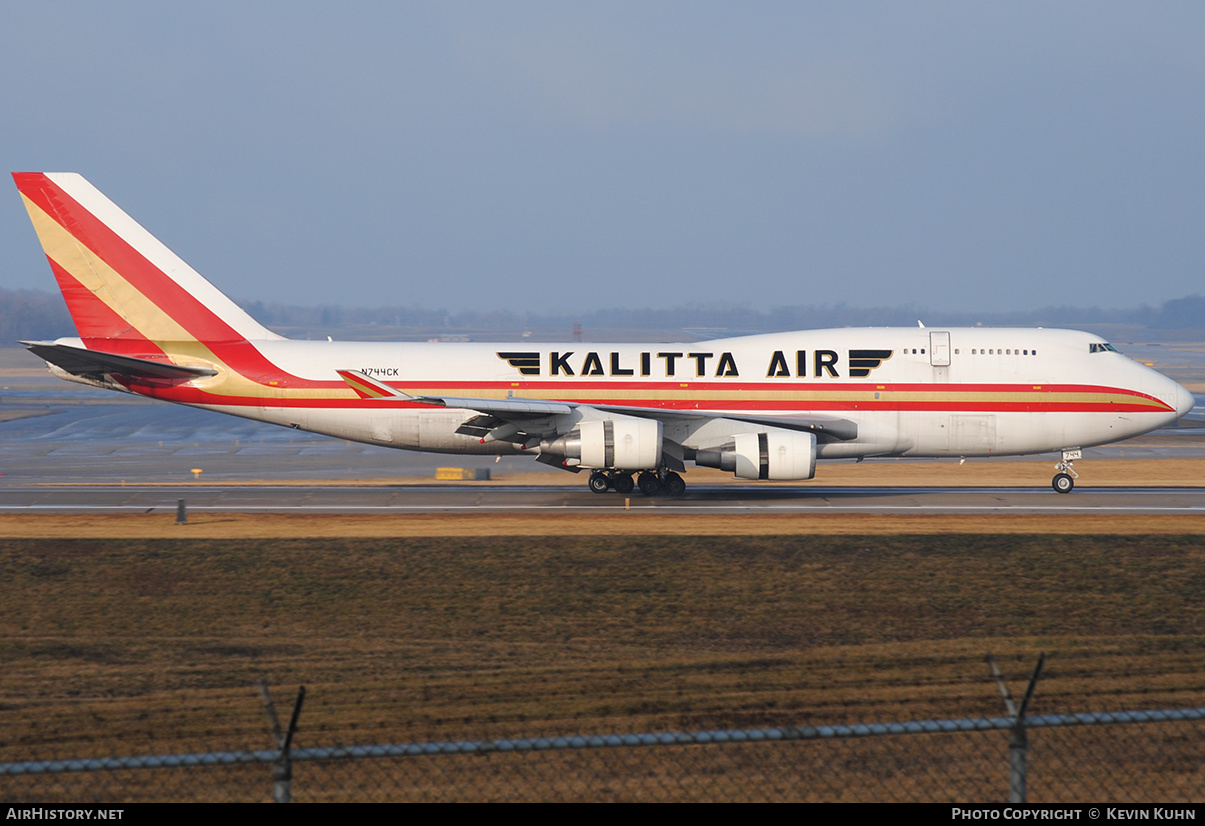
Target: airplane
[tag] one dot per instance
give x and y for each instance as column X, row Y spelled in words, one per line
column 760, row 407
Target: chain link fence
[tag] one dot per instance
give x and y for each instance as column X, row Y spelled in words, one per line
column 1139, row 756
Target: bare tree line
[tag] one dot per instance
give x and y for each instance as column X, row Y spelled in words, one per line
column 34, row 314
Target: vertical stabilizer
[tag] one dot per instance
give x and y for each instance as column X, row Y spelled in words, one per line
column 126, row 291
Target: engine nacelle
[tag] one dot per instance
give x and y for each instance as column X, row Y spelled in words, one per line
column 774, row 455
column 625, row 443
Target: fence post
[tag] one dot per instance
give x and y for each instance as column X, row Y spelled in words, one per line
column 1018, row 744
column 282, row 767
column 1018, row 738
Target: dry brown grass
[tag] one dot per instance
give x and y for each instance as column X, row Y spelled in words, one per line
column 617, row 522
column 155, row 645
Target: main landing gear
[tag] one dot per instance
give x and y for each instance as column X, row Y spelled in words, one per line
column 650, row 482
column 1064, row 480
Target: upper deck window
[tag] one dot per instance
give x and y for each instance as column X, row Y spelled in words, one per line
column 1101, row 348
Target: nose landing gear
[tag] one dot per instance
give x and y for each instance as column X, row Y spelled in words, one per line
column 1064, row 480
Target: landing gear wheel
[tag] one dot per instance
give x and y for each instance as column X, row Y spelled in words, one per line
column 622, row 483
column 599, row 482
column 650, row 485
column 674, row 484
column 1063, row 483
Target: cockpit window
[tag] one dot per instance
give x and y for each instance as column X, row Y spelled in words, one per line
column 1103, row 347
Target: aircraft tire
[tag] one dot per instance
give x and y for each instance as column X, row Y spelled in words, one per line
column 622, row 482
column 1063, row 483
column 650, row 485
column 599, row 482
column 675, row 485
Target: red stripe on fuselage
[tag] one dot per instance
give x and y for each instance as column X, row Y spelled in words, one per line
column 551, row 391
column 702, row 405
column 564, row 390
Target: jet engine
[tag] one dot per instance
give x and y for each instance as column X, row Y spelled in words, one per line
column 775, row 455
column 622, row 444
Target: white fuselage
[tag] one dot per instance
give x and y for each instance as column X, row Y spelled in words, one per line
column 907, row 391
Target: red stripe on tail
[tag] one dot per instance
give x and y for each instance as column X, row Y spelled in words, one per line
column 106, row 330
column 111, row 248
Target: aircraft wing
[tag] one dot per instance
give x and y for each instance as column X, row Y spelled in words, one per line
column 497, row 411
column 94, row 363
column 369, row 388
column 500, row 407
column 826, row 428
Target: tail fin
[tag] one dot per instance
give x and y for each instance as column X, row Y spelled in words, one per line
column 126, row 291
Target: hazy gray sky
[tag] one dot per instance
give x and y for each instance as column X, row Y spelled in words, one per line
column 555, row 156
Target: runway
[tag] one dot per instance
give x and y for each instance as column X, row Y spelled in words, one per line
column 431, row 499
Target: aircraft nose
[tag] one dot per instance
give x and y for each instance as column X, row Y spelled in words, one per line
column 1184, row 401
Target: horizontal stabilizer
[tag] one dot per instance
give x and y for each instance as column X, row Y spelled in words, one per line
column 93, row 363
